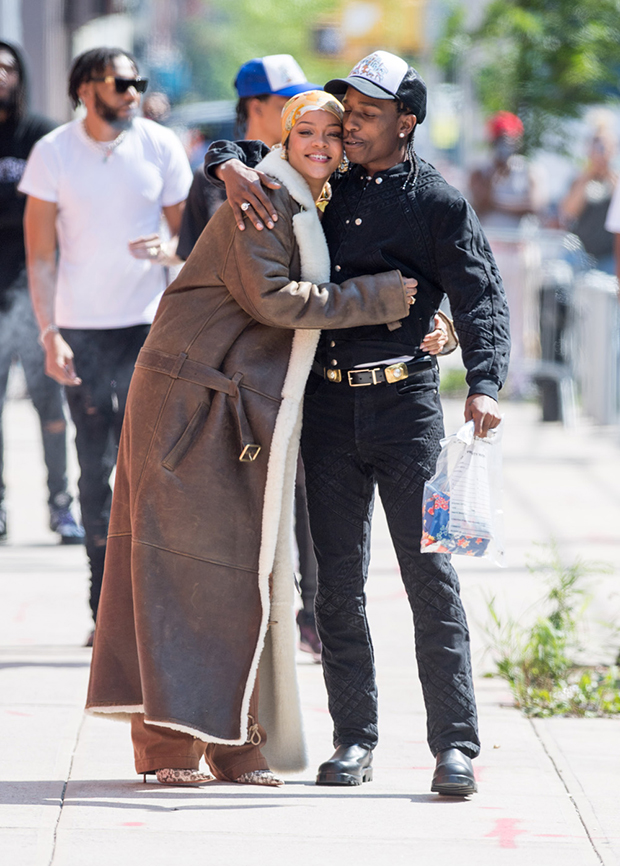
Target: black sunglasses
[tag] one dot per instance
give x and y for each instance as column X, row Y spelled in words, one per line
column 122, row 85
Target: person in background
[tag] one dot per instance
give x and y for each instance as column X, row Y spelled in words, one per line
column 19, row 131
column 156, row 106
column 263, row 85
column 584, row 209
column 508, row 188
column 507, row 194
column 97, row 188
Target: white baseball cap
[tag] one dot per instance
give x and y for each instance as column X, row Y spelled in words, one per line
column 385, row 76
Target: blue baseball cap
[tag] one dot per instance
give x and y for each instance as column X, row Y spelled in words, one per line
column 277, row 74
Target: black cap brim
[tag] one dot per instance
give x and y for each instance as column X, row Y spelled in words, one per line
column 368, row 88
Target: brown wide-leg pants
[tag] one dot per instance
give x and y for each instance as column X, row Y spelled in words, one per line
column 158, row 748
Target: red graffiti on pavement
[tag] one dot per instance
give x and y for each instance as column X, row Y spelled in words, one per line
column 506, row 831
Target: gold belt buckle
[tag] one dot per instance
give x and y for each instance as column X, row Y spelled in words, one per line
column 396, row 372
column 332, row 375
column 373, row 371
column 249, row 453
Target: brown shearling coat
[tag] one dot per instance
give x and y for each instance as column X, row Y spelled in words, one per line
column 198, row 577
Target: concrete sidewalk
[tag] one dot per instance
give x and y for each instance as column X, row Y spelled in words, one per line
column 549, row 790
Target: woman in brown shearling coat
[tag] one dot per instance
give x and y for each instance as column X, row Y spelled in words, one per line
column 198, row 584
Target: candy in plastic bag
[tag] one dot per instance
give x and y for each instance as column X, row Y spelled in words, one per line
column 462, row 506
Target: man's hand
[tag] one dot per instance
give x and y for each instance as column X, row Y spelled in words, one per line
column 59, row 360
column 244, row 186
column 146, row 247
column 159, row 252
column 484, row 411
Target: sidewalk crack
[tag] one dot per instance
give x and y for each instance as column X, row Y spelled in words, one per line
column 64, row 792
column 544, row 740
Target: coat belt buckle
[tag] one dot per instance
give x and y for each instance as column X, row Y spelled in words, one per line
column 396, row 372
column 249, row 453
column 373, row 372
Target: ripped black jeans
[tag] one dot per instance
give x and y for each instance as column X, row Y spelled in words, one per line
column 353, row 441
column 104, row 361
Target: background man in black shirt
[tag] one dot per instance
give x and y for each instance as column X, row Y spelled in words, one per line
column 19, row 131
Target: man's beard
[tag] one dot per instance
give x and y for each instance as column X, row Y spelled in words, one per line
column 8, row 103
column 110, row 115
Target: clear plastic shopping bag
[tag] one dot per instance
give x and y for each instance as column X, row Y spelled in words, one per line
column 462, row 506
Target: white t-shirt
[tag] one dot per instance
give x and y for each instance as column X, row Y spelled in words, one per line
column 102, row 205
column 612, row 221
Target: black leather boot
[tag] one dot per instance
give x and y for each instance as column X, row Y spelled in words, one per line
column 454, row 774
column 349, row 765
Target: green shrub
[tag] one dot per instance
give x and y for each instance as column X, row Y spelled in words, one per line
column 452, row 383
column 538, row 662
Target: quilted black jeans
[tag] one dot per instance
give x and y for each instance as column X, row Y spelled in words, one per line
column 352, row 440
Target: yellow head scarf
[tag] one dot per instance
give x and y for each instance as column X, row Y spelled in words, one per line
column 296, row 107
column 311, row 100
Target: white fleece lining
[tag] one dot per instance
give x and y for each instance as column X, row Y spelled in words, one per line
column 275, row 551
column 200, row 735
column 111, row 710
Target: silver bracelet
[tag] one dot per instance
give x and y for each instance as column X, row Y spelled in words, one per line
column 47, row 330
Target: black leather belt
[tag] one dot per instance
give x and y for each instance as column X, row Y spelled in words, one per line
column 361, row 377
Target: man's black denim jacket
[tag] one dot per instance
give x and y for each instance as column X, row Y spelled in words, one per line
column 426, row 230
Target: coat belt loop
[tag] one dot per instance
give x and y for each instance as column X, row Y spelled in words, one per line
column 249, row 449
column 176, row 369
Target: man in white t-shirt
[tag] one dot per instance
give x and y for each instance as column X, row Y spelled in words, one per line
column 96, row 191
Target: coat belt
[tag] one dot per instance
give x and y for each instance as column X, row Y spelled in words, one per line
column 180, row 367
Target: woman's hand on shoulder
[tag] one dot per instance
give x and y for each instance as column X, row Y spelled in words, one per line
column 246, row 196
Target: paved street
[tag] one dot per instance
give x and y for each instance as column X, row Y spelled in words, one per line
column 549, row 790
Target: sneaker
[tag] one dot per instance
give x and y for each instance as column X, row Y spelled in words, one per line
column 63, row 522
column 309, row 641
column 3, row 524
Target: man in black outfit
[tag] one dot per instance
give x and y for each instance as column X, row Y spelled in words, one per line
column 373, row 416
column 19, row 131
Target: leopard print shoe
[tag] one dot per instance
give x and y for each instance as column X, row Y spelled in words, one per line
column 260, row 777
column 183, row 777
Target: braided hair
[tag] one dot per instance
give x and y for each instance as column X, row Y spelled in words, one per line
column 412, row 157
